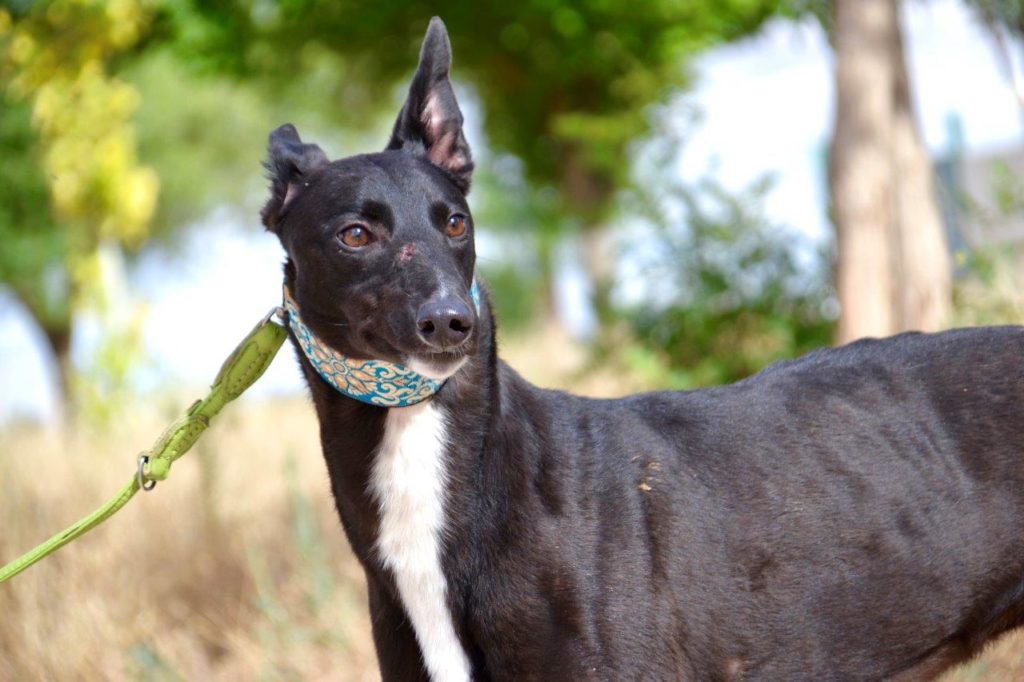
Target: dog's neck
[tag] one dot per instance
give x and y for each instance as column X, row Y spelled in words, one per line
column 352, row 432
column 375, row 382
column 408, row 485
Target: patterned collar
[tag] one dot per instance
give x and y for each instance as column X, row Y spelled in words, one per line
column 375, row 382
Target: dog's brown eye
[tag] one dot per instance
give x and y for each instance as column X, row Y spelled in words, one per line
column 355, row 236
column 456, row 225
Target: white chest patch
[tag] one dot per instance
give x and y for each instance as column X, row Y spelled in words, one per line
column 408, row 482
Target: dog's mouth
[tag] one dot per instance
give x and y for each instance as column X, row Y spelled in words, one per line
column 439, row 366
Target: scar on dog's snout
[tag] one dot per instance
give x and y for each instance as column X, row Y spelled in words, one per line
column 406, row 253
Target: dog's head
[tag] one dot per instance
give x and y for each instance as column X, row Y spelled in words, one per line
column 380, row 246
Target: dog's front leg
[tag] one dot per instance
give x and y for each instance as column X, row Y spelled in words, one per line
column 397, row 651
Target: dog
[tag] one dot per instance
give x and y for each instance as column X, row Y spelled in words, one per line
column 856, row 514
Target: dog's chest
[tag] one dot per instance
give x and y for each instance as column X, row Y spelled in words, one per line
column 408, row 482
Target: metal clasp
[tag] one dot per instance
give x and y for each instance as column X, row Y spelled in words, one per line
column 277, row 311
column 144, row 483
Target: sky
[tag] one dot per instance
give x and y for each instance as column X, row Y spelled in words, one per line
column 201, row 302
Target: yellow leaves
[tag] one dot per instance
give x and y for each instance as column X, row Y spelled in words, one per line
column 65, row 189
column 82, row 98
column 102, row 387
column 76, row 29
column 138, row 203
column 21, row 48
column 127, row 19
column 57, row 58
column 84, row 121
column 86, row 267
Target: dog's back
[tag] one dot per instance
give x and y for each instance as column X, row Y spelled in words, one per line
column 832, row 517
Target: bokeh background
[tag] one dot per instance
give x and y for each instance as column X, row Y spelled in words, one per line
column 668, row 194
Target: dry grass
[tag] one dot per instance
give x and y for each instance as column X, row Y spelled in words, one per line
column 236, row 568
column 233, row 569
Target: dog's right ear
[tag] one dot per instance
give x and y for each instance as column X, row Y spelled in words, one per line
column 290, row 161
column 430, row 122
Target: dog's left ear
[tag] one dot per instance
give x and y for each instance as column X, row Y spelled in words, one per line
column 430, row 123
column 290, row 161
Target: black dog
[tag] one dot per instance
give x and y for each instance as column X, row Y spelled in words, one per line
column 857, row 514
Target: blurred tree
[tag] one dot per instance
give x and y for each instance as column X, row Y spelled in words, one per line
column 54, row 56
column 733, row 294
column 724, row 289
column 32, row 260
column 893, row 264
column 564, row 85
column 203, row 134
column 924, row 266
column 1004, row 21
column 564, row 88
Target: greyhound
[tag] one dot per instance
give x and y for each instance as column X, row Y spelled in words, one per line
column 856, row 514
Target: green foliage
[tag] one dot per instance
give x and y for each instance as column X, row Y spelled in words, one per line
column 514, row 291
column 102, row 387
column 119, row 89
column 989, row 289
column 74, row 159
column 526, row 223
column 1007, row 13
column 821, row 10
column 55, row 56
column 1007, row 189
column 563, row 84
column 204, row 135
column 728, row 290
column 31, row 260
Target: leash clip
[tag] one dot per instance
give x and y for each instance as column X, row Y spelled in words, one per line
column 277, row 311
column 145, row 483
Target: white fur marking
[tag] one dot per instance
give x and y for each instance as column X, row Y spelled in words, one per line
column 438, row 371
column 408, row 482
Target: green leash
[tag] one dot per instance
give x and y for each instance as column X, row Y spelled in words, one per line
column 243, row 367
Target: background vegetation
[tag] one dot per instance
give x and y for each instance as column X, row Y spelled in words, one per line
column 124, row 122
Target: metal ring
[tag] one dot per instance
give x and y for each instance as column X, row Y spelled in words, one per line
column 144, row 483
column 276, row 311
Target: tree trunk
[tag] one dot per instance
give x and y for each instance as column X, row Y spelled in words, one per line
column 860, row 172
column 59, row 341
column 546, row 262
column 599, row 264
column 56, row 330
column 893, row 266
column 588, row 192
column 924, row 296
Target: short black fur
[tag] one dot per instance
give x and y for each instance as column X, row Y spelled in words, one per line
column 857, row 514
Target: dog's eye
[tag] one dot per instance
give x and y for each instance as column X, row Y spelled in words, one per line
column 456, row 225
column 355, row 236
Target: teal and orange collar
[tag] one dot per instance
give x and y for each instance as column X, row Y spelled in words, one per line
column 375, row 382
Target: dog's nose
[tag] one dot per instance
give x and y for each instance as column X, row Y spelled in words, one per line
column 444, row 323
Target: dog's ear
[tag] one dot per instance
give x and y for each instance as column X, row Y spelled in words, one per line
column 288, row 163
column 430, row 122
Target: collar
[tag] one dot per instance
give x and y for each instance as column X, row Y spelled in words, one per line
column 375, row 382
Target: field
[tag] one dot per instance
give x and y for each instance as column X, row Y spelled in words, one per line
column 235, row 568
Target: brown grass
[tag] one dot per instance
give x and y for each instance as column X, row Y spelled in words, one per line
column 235, row 568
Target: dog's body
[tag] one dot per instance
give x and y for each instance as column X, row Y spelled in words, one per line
column 855, row 514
